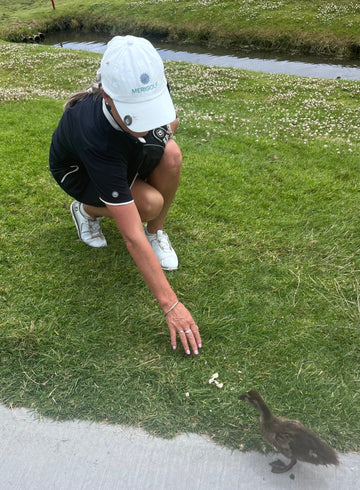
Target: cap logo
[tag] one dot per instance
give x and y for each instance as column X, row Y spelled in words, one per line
column 144, row 78
column 148, row 88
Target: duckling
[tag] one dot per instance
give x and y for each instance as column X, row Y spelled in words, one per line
column 289, row 437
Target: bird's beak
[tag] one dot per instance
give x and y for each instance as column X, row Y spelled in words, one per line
column 242, row 397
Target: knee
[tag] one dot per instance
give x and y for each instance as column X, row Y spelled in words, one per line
column 151, row 205
column 172, row 158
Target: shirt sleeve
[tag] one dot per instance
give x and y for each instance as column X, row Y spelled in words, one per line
column 109, row 176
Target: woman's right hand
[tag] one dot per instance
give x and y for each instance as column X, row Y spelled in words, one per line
column 181, row 323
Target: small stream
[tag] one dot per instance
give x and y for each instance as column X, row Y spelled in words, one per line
column 262, row 62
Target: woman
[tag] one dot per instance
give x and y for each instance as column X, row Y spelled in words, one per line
column 113, row 153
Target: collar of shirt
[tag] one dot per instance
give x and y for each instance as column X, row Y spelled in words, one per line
column 114, row 124
column 110, row 117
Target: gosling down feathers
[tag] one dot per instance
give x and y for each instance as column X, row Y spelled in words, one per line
column 289, row 437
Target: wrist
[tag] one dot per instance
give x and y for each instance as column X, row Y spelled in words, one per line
column 168, row 303
column 171, row 308
column 164, row 295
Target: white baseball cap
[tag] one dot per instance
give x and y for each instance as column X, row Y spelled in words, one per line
column 132, row 74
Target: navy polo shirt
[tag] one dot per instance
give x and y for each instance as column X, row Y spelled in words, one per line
column 88, row 136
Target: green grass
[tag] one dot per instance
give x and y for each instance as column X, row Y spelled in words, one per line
column 266, row 226
column 317, row 27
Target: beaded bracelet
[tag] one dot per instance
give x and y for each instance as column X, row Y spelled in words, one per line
column 173, row 306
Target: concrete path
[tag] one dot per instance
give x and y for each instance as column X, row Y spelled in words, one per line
column 41, row 454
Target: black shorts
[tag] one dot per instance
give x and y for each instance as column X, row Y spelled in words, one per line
column 75, row 181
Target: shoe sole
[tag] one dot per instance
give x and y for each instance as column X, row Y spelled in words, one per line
column 75, row 221
column 78, row 229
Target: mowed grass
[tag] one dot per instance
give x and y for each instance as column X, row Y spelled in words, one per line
column 266, row 226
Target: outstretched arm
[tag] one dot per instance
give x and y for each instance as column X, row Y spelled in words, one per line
column 179, row 319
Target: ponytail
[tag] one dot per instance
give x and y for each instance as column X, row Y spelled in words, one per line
column 94, row 89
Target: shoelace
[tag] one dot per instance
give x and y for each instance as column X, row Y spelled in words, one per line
column 94, row 227
column 163, row 241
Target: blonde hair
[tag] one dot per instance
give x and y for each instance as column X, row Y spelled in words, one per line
column 94, row 89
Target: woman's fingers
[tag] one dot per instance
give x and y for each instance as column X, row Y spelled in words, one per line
column 183, row 339
column 190, row 337
column 181, row 323
column 196, row 333
column 173, row 338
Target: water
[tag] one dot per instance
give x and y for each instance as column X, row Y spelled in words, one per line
column 305, row 66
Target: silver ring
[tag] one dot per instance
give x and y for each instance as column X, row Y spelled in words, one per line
column 181, row 331
column 188, row 331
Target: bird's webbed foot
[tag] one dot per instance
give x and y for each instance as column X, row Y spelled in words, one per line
column 279, row 466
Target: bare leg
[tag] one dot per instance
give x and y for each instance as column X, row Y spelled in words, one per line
column 96, row 212
column 165, row 178
column 148, row 200
column 153, row 198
